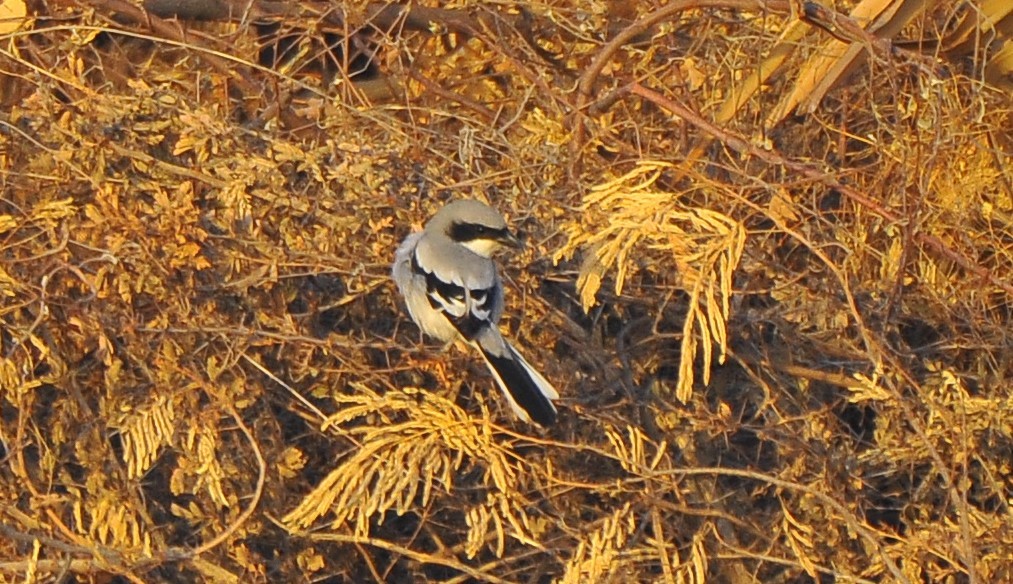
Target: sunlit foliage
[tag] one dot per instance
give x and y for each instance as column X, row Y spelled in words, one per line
column 768, row 266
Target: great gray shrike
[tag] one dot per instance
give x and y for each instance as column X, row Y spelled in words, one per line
column 449, row 282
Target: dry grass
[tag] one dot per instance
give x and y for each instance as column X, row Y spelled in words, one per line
column 783, row 341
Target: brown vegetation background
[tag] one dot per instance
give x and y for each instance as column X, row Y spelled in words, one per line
column 768, row 265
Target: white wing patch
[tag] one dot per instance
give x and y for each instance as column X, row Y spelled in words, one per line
column 470, row 310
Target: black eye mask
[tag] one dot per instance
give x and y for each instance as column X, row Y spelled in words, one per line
column 471, row 231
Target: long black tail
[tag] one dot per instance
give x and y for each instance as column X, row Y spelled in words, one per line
column 530, row 395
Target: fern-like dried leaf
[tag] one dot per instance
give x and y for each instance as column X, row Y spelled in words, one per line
column 703, row 245
column 500, row 509
column 412, row 444
column 145, row 432
column 210, row 473
column 599, row 556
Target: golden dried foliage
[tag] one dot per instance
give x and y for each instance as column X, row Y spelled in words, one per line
column 705, row 248
column 411, row 443
column 768, row 268
column 598, row 558
column 145, row 432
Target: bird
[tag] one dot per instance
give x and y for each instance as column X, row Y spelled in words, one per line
column 453, row 292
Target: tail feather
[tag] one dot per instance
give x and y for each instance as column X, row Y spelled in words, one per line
column 530, row 395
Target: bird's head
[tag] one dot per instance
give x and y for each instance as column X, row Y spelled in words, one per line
column 474, row 225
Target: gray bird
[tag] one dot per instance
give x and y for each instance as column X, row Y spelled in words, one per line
column 449, row 282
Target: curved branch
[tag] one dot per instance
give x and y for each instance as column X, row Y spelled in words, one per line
column 170, row 31
column 257, row 493
column 588, row 79
column 817, row 175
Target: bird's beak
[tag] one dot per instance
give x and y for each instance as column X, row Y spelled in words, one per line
column 508, row 239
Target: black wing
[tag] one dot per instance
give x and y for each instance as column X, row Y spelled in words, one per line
column 470, row 311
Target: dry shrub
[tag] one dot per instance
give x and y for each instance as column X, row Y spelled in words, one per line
column 782, row 341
